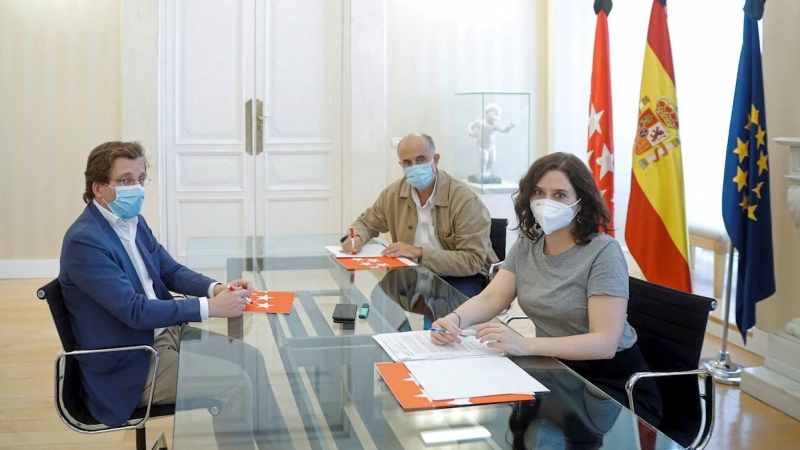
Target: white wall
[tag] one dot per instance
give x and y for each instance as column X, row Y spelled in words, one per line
column 59, row 98
column 438, row 48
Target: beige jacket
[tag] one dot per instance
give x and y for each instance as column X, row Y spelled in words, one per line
column 462, row 226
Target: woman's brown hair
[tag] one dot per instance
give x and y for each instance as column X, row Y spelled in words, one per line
column 593, row 215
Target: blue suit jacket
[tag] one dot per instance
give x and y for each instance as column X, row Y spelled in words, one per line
column 108, row 308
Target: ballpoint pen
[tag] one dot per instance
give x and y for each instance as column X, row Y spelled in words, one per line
column 234, row 288
column 465, row 332
column 353, row 240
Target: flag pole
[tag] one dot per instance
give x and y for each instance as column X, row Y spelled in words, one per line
column 722, row 369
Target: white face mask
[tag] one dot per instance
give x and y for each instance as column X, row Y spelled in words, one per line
column 552, row 215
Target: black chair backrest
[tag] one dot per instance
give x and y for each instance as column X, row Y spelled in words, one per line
column 51, row 292
column 497, row 235
column 71, row 389
column 671, row 327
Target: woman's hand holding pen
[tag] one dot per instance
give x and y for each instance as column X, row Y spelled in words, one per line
column 440, row 338
column 495, row 335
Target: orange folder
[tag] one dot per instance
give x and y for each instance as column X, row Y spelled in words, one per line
column 372, row 262
column 270, row 302
column 411, row 396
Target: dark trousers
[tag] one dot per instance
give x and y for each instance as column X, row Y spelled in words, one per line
column 469, row 286
column 610, row 376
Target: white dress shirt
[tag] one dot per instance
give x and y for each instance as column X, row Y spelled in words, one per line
column 425, row 234
column 126, row 230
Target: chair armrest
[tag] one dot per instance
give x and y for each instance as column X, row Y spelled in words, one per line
column 493, row 268
column 508, row 319
column 147, row 348
column 704, row 435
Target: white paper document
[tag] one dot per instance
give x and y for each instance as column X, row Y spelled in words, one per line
column 416, row 345
column 367, row 251
column 445, row 379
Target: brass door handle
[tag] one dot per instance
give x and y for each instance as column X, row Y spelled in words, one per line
column 248, row 127
column 260, row 129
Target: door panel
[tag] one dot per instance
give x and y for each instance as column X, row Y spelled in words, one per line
column 302, row 70
column 272, row 169
column 209, row 80
column 209, row 216
column 298, row 173
column 209, row 171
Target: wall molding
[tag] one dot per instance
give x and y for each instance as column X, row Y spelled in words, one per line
column 28, row 268
column 756, row 339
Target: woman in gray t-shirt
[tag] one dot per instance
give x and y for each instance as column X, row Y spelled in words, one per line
column 571, row 280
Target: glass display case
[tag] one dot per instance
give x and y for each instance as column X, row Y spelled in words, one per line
column 492, row 140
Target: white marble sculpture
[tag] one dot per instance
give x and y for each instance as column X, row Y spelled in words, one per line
column 485, row 131
column 793, row 327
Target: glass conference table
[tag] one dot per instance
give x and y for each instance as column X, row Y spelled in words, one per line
column 321, row 375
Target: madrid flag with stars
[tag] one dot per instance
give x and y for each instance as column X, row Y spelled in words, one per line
column 656, row 231
column 270, row 302
column 600, row 155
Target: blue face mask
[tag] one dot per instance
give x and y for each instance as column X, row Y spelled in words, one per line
column 128, row 203
column 420, row 175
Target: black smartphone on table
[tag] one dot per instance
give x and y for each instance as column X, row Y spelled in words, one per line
column 345, row 313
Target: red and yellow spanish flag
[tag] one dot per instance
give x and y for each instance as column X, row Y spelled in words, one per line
column 656, row 230
column 600, row 151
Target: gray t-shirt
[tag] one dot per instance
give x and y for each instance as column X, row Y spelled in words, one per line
column 554, row 290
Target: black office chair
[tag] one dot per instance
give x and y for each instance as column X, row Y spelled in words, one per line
column 671, row 327
column 497, row 236
column 69, row 404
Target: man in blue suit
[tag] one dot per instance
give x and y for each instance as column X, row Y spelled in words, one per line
column 116, row 281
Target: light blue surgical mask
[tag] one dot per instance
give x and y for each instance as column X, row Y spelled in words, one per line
column 420, row 175
column 128, row 203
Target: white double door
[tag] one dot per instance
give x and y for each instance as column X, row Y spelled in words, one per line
column 253, row 118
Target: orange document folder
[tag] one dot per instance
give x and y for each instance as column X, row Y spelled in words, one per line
column 270, row 302
column 372, row 262
column 411, row 396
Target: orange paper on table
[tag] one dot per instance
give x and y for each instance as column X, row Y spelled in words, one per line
column 411, row 396
column 373, row 262
column 270, row 302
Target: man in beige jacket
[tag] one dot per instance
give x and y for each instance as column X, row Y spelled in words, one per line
column 432, row 218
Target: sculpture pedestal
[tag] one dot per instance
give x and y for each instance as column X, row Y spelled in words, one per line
column 777, row 383
column 485, row 179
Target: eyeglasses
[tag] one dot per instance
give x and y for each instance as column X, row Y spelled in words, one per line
column 142, row 181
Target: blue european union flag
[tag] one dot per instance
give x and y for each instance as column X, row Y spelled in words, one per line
column 745, row 190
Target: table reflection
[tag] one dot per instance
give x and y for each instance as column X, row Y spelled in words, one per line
column 417, row 291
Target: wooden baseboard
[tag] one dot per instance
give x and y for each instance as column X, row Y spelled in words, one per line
column 756, row 339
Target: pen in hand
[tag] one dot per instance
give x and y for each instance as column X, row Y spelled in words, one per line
column 463, row 333
column 234, row 288
column 353, row 240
